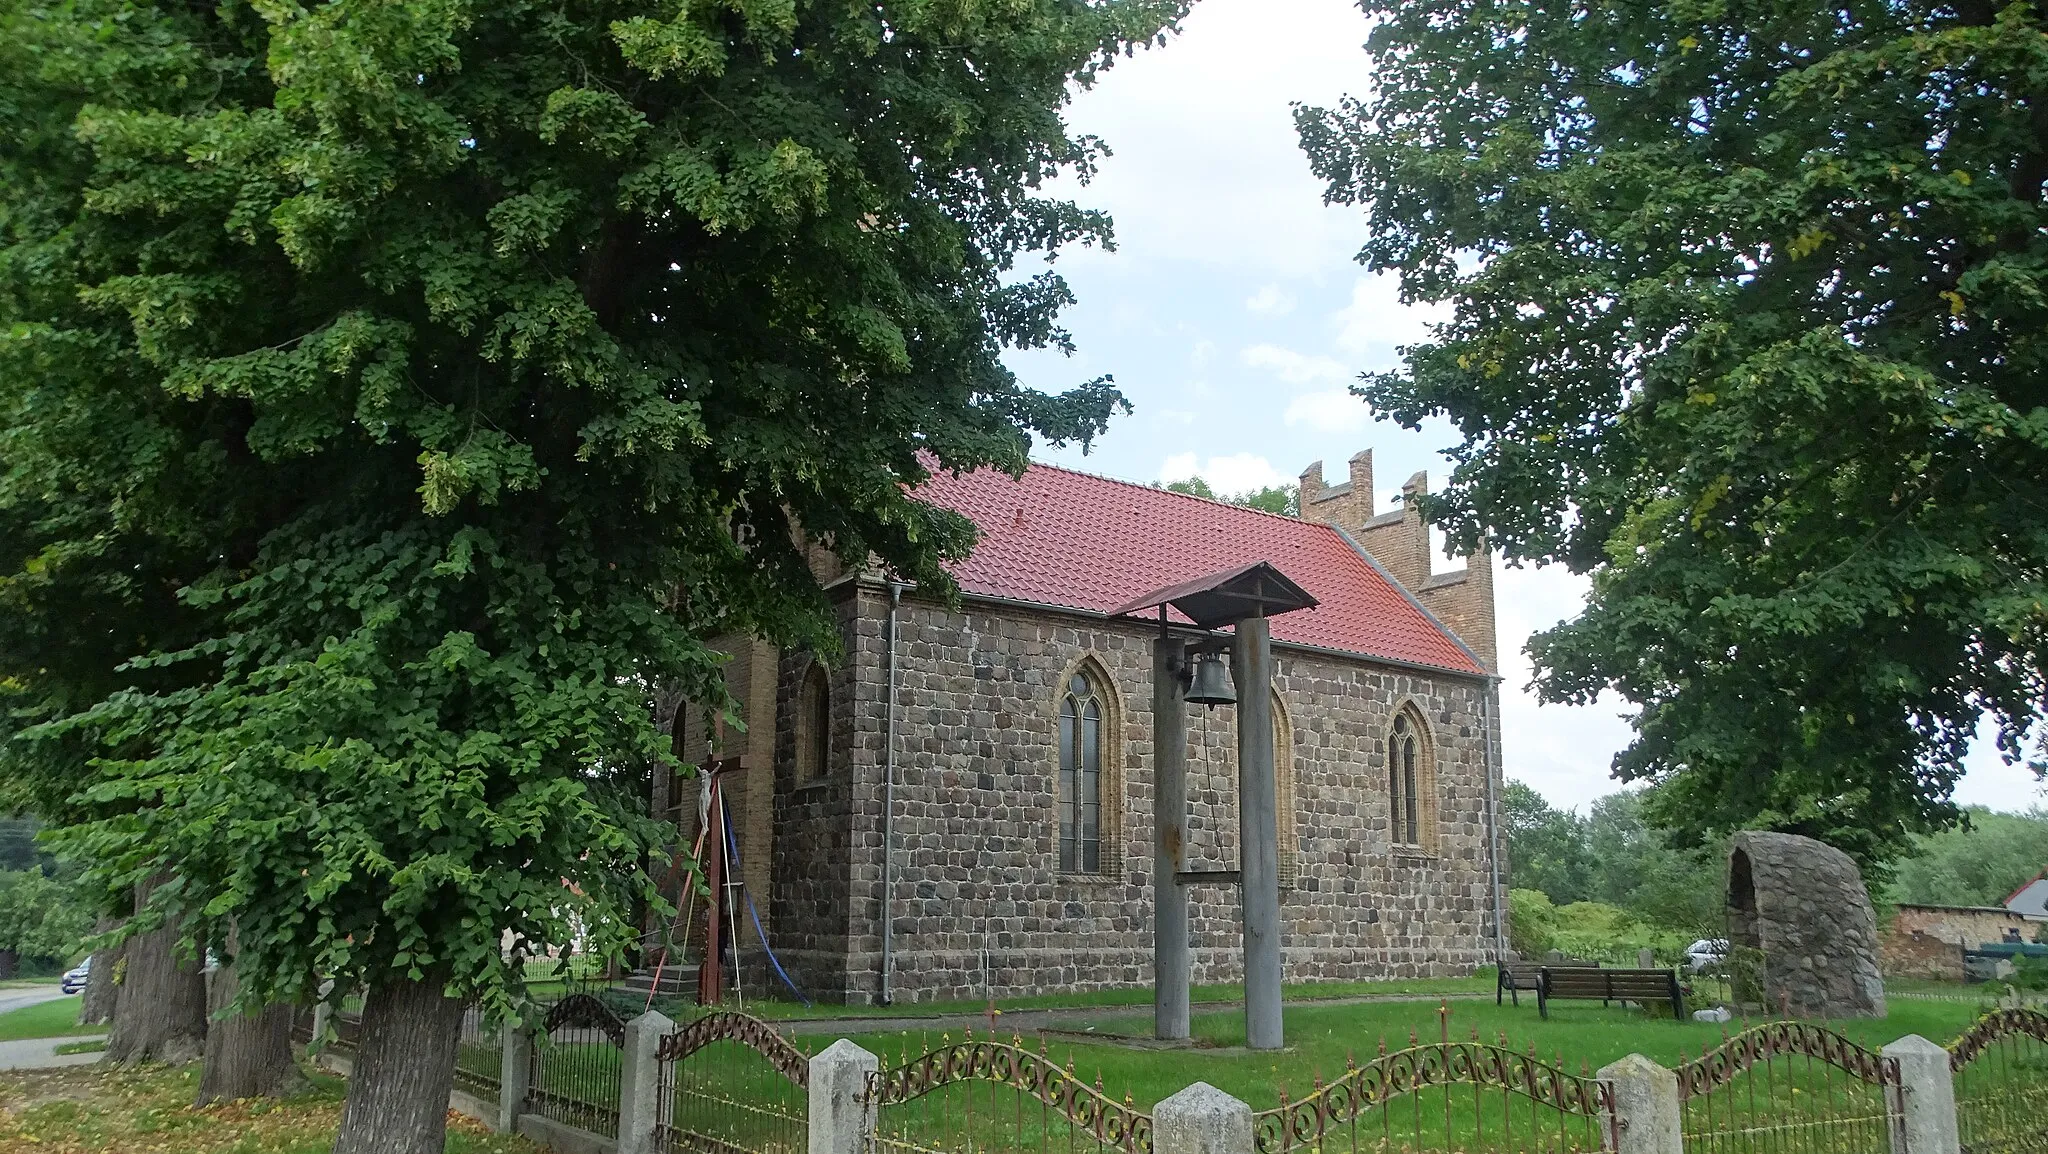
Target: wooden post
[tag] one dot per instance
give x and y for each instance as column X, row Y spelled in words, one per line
column 1170, row 970
column 1258, row 834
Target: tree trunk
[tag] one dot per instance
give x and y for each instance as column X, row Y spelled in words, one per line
column 247, row 1055
column 98, row 1007
column 7, row 963
column 404, row 1068
column 160, row 1009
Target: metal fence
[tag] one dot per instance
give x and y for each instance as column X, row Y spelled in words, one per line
column 348, row 1023
column 1445, row 1095
column 990, row 1095
column 1791, row 1087
column 479, row 1055
column 2001, row 1083
column 728, row 1082
column 573, row 1071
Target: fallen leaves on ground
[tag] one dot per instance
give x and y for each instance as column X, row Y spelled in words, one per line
column 148, row 1110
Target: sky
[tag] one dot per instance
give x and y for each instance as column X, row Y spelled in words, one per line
column 1234, row 316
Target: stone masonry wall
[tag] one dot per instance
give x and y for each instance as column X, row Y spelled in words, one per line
column 1916, row 955
column 1969, row 926
column 979, row 903
column 812, row 886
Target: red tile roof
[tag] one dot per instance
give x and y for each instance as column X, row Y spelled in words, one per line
column 1061, row 538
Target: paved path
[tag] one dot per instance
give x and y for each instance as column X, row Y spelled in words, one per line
column 24, row 997
column 39, row 1053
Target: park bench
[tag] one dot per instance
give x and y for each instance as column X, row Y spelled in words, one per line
column 1645, row 986
column 1517, row 975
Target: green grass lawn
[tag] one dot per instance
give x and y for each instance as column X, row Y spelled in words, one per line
column 1587, row 1035
column 782, row 1009
column 53, row 1019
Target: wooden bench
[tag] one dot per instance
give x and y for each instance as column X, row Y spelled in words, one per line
column 1516, row 975
column 1645, row 986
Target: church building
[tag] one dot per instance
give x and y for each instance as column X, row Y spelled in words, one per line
column 989, row 834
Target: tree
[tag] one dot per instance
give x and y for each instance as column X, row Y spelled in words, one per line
column 1748, row 303
column 1546, row 846
column 1282, row 499
column 1640, row 868
column 1978, row 864
column 470, row 364
column 40, row 919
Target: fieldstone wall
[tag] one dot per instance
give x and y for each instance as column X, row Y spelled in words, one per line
column 979, row 904
column 1916, row 955
column 1967, row 926
column 1803, row 904
column 812, row 888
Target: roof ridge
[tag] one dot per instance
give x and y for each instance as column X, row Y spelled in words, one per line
column 1160, row 488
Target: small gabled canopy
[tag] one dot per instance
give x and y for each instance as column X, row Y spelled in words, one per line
column 1228, row 597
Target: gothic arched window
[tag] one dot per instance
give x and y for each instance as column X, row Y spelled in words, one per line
column 1081, row 784
column 1289, row 830
column 1411, row 783
column 814, row 727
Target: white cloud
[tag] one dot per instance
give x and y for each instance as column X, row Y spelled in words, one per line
column 1208, row 168
column 1203, row 352
column 1376, row 323
column 1294, row 368
column 1271, row 300
column 1336, row 411
column 1237, row 473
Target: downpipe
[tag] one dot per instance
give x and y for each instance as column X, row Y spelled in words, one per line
column 887, row 995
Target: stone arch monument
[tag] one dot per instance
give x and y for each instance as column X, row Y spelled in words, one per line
column 1802, row 904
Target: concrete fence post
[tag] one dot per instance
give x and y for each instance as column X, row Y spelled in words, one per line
column 515, row 1073
column 640, row 1082
column 1201, row 1120
column 1930, row 1097
column 323, row 1013
column 842, row 1118
column 1646, row 1114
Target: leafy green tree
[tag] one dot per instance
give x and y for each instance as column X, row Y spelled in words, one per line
column 1749, row 303
column 1546, row 846
column 450, row 371
column 1282, row 499
column 41, row 918
column 1640, row 868
column 1975, row 865
column 18, row 844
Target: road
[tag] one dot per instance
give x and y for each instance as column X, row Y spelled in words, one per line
column 21, row 998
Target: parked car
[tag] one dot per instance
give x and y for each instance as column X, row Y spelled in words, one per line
column 74, row 978
column 1706, row 953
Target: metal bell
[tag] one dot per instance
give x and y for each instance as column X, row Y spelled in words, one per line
column 1210, row 683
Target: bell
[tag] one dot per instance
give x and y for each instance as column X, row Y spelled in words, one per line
column 1210, row 683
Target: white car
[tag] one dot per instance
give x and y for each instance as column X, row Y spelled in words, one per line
column 1706, row 954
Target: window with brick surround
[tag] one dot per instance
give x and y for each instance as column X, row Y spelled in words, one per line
column 1411, row 783
column 1083, row 722
column 814, row 727
column 1283, row 793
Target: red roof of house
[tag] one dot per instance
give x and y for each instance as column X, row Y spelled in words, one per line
column 1061, row 538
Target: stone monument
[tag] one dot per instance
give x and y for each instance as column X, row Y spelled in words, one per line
column 1802, row 906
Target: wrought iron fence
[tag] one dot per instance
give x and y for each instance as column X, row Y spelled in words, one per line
column 479, row 1055
column 2001, row 1082
column 573, row 1073
column 1445, row 1095
column 348, row 1023
column 990, row 1095
column 1791, row 1087
column 729, row 1083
